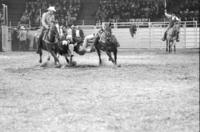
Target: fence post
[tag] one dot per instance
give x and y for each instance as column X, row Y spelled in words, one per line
column 115, row 25
column 196, row 34
column 150, row 25
column 83, row 22
column 185, row 34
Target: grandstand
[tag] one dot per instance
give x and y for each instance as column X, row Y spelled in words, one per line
column 95, row 75
column 89, row 12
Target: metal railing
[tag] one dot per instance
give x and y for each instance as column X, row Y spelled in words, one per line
column 149, row 34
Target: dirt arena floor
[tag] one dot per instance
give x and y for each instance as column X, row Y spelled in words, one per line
column 152, row 91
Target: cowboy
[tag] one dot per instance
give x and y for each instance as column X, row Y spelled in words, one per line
column 68, row 33
column 84, row 47
column 23, row 38
column 90, row 37
column 48, row 20
column 78, row 35
column 173, row 19
column 102, row 35
column 69, row 38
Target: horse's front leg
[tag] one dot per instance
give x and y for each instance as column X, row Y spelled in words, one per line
column 174, row 47
column 55, row 59
column 49, row 57
column 167, row 45
column 170, row 47
column 115, row 55
column 99, row 55
column 110, row 57
column 66, row 58
column 40, row 54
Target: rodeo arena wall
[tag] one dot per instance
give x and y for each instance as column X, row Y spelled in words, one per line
column 148, row 35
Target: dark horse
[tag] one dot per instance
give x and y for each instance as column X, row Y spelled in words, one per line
column 49, row 42
column 133, row 30
column 109, row 45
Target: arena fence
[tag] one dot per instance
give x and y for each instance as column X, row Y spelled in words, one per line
column 148, row 35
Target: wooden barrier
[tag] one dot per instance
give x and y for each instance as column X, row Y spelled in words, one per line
column 6, row 38
column 147, row 36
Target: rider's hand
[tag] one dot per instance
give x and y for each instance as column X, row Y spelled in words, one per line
column 48, row 27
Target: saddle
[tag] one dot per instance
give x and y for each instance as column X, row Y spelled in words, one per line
column 44, row 38
column 105, row 37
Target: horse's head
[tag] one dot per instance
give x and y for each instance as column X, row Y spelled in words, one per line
column 108, row 32
column 53, row 33
column 176, row 29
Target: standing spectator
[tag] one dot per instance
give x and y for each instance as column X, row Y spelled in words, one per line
column 22, row 38
column 1, row 18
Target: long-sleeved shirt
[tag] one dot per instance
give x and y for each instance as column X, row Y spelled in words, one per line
column 47, row 19
column 22, row 35
column 172, row 19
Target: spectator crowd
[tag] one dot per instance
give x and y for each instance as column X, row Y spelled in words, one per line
column 188, row 10
column 125, row 10
column 66, row 10
column 112, row 10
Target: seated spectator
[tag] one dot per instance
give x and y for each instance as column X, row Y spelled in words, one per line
column 64, row 9
column 1, row 18
column 25, row 18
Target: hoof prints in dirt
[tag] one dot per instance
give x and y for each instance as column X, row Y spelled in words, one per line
column 20, row 70
column 82, row 66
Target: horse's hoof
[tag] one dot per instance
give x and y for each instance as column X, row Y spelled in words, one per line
column 119, row 66
column 40, row 61
column 44, row 65
column 73, row 63
column 58, row 66
column 37, row 52
column 81, row 52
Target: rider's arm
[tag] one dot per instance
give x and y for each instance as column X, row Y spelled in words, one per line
column 167, row 15
column 178, row 19
column 82, row 34
column 43, row 21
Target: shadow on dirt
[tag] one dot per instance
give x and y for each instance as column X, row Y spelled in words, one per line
column 82, row 66
column 24, row 69
column 47, row 66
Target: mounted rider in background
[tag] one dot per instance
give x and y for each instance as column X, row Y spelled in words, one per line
column 48, row 20
column 173, row 19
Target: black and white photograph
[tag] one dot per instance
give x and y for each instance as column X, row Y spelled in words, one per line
column 99, row 66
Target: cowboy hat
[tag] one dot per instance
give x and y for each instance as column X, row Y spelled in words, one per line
column 51, row 8
column 22, row 28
